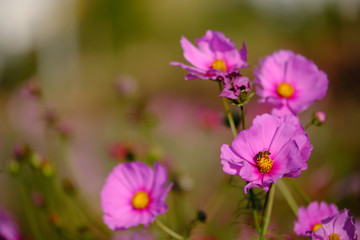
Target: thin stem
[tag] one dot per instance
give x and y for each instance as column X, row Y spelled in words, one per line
column 242, row 117
column 228, row 113
column 298, row 190
column 264, row 208
column 288, row 197
column 256, row 220
column 308, row 125
column 168, row 230
column 268, row 211
column 30, row 214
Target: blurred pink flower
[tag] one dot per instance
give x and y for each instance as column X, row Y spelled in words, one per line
column 134, row 194
column 8, row 228
column 270, row 149
column 338, row 227
column 134, row 235
column 290, row 82
column 214, row 55
column 309, row 218
column 209, row 118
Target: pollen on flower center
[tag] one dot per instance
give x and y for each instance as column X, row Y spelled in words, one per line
column 285, row 90
column 334, row 236
column 263, row 162
column 316, row 227
column 140, row 200
column 219, row 64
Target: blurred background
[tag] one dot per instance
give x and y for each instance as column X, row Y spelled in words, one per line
column 87, row 84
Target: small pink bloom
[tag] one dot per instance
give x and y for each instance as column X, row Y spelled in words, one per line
column 290, row 82
column 270, row 149
column 134, row 194
column 338, row 227
column 236, row 87
column 309, row 218
column 319, row 118
column 214, row 55
column 209, row 118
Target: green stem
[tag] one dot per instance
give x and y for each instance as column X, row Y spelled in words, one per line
column 268, row 211
column 168, row 230
column 264, row 208
column 256, row 220
column 298, row 190
column 287, row 195
column 242, row 117
column 228, row 113
column 308, row 125
column 30, row 214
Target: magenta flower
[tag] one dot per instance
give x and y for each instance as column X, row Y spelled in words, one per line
column 289, row 81
column 236, row 87
column 8, row 228
column 309, row 218
column 215, row 55
column 134, row 194
column 338, row 227
column 270, row 149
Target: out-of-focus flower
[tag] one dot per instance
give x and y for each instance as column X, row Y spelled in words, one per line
column 338, row 227
column 290, row 82
column 214, row 55
column 134, row 235
column 122, row 150
column 31, row 88
column 270, row 149
column 38, row 199
column 309, row 218
column 65, row 129
column 21, row 151
column 8, row 228
column 126, row 86
column 208, row 118
column 319, row 118
column 236, row 87
column 134, row 194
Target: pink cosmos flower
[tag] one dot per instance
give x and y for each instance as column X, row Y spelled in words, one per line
column 338, row 227
column 214, row 55
column 134, row 194
column 309, row 218
column 270, row 149
column 290, row 82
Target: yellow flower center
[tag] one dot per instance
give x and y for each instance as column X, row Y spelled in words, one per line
column 334, row 236
column 219, row 65
column 264, row 162
column 316, row 227
column 140, row 200
column 285, row 90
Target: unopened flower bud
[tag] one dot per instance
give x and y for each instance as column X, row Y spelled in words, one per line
column 68, row 186
column 201, row 216
column 54, row 219
column 21, row 151
column 14, row 167
column 38, row 199
column 47, row 168
column 319, row 118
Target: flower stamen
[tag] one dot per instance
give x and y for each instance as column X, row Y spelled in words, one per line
column 316, row 227
column 334, row 236
column 263, row 162
column 219, row 64
column 285, row 90
column 140, row 200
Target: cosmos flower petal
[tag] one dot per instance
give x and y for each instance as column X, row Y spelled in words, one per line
column 126, row 181
column 193, row 55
